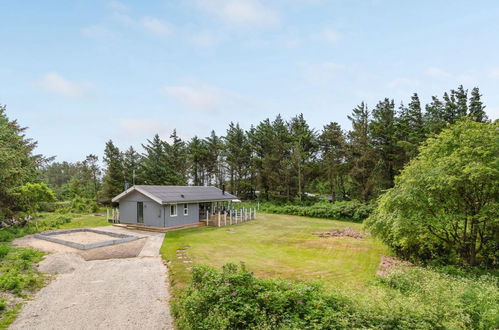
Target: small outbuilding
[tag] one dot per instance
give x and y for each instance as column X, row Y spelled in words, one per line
column 167, row 206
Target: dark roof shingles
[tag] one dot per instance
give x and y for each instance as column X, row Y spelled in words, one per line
column 173, row 194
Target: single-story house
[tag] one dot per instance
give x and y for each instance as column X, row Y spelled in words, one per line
column 166, row 206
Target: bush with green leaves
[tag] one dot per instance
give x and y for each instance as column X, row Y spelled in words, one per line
column 445, row 203
column 34, row 195
column 413, row 298
column 41, row 223
column 344, row 210
column 80, row 205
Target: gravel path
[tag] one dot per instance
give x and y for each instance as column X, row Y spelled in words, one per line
column 126, row 293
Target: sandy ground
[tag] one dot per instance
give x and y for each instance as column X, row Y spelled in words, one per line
column 126, row 293
column 85, row 237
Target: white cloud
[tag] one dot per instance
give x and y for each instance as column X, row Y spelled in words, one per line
column 206, row 39
column 321, row 73
column 437, row 73
column 494, row 73
column 55, row 83
column 156, row 26
column 402, row 83
column 205, row 97
column 96, row 31
column 131, row 129
column 331, row 35
column 240, row 12
column 117, row 6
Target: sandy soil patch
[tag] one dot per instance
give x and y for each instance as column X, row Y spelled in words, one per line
column 388, row 264
column 85, row 237
column 123, row 250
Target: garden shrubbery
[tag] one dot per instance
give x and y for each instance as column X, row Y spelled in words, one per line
column 414, row 298
column 345, row 210
column 42, row 223
column 79, row 205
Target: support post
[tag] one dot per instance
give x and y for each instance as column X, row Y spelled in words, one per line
column 225, row 218
column 218, row 218
column 230, row 217
column 207, row 217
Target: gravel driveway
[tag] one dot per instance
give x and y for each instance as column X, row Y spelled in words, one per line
column 126, row 293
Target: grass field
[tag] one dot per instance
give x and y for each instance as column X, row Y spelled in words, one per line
column 277, row 246
column 86, row 221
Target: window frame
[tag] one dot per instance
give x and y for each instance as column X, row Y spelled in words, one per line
column 173, row 207
column 186, row 209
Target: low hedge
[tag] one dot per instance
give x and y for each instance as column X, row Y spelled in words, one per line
column 346, row 210
column 234, row 298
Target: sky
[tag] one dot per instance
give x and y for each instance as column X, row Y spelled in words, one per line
column 81, row 72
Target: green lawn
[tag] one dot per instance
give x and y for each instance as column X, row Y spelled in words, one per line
column 277, row 246
column 86, row 221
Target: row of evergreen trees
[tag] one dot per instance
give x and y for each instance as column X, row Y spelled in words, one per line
column 283, row 159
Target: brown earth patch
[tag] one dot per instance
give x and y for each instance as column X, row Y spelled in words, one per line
column 389, row 264
column 345, row 232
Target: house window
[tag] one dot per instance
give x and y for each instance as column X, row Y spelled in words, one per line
column 186, row 209
column 140, row 212
column 173, row 210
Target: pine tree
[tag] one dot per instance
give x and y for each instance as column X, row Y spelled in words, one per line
column 361, row 154
column 238, row 159
column 214, row 160
column 434, row 117
column 332, row 146
column 476, row 107
column 303, row 147
column 177, row 155
column 17, row 163
column 461, row 96
column 383, row 134
column 155, row 166
column 197, row 160
column 131, row 167
column 410, row 128
column 91, row 175
column 114, row 179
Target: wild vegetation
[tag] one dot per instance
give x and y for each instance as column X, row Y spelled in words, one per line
column 342, row 210
column 416, row 298
column 444, row 206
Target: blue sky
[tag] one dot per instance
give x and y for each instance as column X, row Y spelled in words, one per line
column 79, row 73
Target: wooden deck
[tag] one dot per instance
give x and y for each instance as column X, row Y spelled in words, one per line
column 158, row 229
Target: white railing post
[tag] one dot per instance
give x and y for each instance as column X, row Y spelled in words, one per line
column 255, row 213
column 225, row 218
column 218, row 218
column 230, row 217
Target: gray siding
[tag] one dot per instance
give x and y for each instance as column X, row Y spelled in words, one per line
column 181, row 219
column 154, row 213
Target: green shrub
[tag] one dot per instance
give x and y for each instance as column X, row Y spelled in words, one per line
column 42, row 223
column 416, row 298
column 4, row 250
column 79, row 205
column 345, row 210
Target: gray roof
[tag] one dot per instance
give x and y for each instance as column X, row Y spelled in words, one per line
column 179, row 194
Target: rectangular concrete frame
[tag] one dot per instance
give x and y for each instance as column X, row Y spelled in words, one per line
column 48, row 236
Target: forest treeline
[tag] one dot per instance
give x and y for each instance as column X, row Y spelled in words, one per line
column 278, row 159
